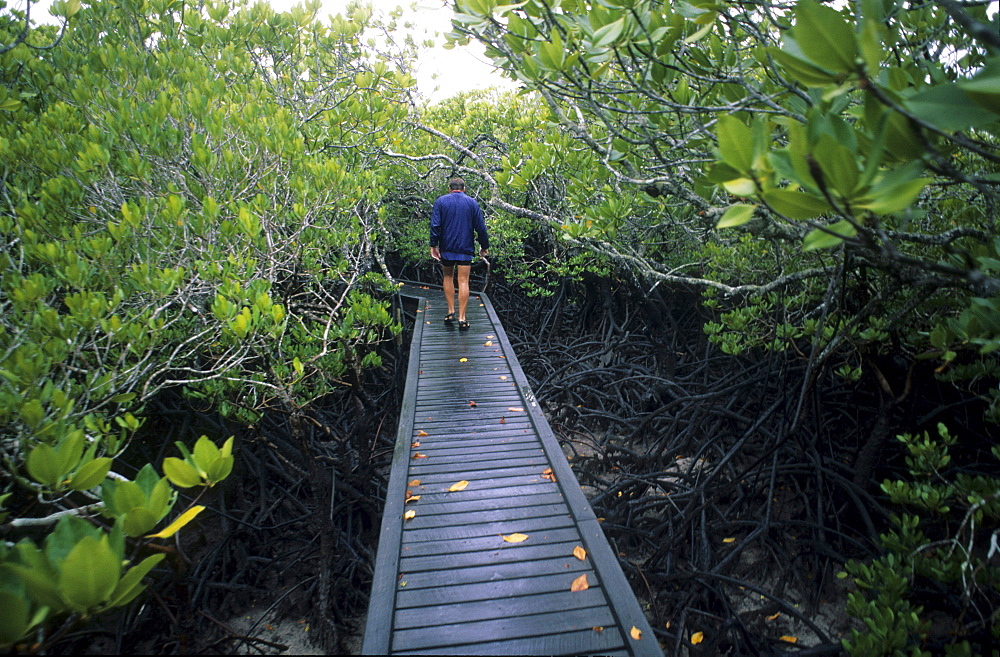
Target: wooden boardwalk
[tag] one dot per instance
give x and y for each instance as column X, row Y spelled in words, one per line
column 446, row 581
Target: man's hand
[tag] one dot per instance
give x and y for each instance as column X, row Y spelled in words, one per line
column 435, row 253
column 484, row 252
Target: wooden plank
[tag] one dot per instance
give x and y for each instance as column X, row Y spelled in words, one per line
column 429, row 505
column 464, row 612
column 496, row 477
column 608, row 642
column 484, row 464
column 524, row 586
column 491, row 573
column 509, row 514
column 434, row 493
column 415, row 533
column 496, row 554
column 486, row 543
column 526, row 626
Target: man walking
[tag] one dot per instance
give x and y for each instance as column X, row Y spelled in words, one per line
column 456, row 221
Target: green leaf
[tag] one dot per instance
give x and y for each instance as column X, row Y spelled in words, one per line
column 736, row 215
column 984, row 88
column 795, row 204
column 740, row 187
column 608, row 34
column 43, row 466
column 946, row 106
column 130, row 585
column 735, row 143
column 823, row 239
column 893, row 199
column 89, row 574
column 180, row 473
column 91, row 474
column 138, row 521
column 801, row 69
column 824, row 36
column 839, row 165
column 205, row 452
column 15, row 617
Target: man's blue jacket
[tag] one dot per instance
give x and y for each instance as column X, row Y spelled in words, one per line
column 455, row 222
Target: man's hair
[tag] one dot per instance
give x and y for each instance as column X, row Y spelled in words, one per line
column 456, row 183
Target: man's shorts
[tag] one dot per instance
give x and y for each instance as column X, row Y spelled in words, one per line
column 454, row 263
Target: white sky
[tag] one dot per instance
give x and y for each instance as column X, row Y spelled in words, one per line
column 440, row 73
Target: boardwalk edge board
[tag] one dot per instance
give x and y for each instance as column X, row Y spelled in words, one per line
column 619, row 612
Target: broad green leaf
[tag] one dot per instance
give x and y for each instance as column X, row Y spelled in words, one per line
column 608, row 34
column 795, row 204
column 893, row 199
column 946, row 106
column 43, row 466
column 89, row 574
column 205, row 452
column 735, row 143
column 802, row 70
column 823, row 239
column 740, row 187
column 138, row 521
column 984, row 88
column 180, row 473
column 176, row 525
column 736, row 215
column 870, row 46
column 130, row 585
column 839, row 165
column 15, row 617
column 91, row 474
column 824, row 36
column 219, row 469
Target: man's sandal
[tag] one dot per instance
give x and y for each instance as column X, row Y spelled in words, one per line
column 463, row 325
column 449, row 318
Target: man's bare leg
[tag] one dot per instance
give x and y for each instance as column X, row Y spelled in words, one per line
column 463, row 290
column 448, row 287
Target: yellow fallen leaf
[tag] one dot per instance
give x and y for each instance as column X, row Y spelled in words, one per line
column 729, row 540
column 579, row 584
column 667, row 625
column 176, row 525
column 463, row 360
column 635, row 633
column 458, row 486
column 515, row 409
column 579, row 553
column 488, row 343
column 412, row 498
column 773, row 616
column 415, row 482
column 697, row 637
column 490, row 336
column 789, row 639
column 503, row 378
column 418, row 455
column 422, row 433
column 516, row 538
column 410, row 515
column 598, row 628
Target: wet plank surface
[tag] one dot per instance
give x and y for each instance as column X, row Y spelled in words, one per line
column 446, row 581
